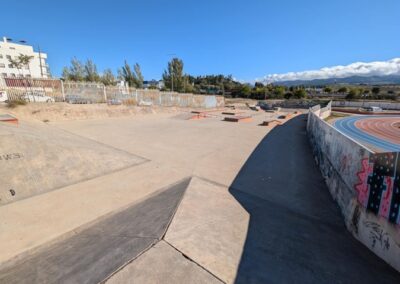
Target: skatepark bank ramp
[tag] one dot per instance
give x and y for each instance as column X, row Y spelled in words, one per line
column 37, row 158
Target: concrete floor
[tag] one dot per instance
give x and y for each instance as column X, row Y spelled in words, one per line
column 256, row 210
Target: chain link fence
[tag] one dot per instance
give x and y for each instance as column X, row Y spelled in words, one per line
column 53, row 90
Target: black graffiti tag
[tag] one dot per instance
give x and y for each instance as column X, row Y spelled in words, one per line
column 12, row 156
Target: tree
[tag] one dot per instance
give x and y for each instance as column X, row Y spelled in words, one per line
column 376, row 90
column 245, row 91
column 288, row 95
column 108, row 77
column 139, row 76
column 300, row 93
column 90, row 70
column 173, row 76
column 134, row 78
column 279, row 91
column 342, row 90
column 259, row 85
column 353, row 94
column 76, row 72
column 328, row 90
column 20, row 62
column 15, row 63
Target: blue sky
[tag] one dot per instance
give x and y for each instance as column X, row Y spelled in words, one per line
column 248, row 39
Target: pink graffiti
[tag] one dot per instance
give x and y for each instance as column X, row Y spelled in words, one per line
column 362, row 186
column 385, row 203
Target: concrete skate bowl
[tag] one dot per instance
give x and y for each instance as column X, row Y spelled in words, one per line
column 36, row 158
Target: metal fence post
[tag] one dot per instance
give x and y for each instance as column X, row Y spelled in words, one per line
column 62, row 90
column 105, row 93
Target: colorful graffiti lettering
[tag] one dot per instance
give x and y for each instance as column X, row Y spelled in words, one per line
column 379, row 186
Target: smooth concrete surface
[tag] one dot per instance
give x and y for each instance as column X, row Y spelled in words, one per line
column 36, row 158
column 162, row 264
column 294, row 231
column 256, row 210
column 30, row 223
column 182, row 144
column 95, row 253
column 172, row 147
column 210, row 227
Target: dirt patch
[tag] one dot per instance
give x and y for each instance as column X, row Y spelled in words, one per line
column 65, row 111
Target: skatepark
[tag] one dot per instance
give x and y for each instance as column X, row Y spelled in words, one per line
column 172, row 196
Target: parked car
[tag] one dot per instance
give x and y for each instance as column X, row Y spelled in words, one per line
column 114, row 102
column 75, row 99
column 37, row 97
column 264, row 106
column 373, row 109
column 3, row 96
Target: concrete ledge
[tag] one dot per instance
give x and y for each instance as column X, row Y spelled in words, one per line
column 238, row 118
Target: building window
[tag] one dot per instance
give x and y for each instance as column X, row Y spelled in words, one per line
column 8, row 56
column 12, row 75
column 12, row 47
column 2, row 65
column 27, row 76
column 1, row 55
column 10, row 66
column 4, row 74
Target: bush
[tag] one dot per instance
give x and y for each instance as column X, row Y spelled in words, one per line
column 300, row 94
column 353, row 94
column 15, row 103
column 288, row 95
column 129, row 102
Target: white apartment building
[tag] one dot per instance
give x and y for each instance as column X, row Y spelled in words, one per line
column 38, row 67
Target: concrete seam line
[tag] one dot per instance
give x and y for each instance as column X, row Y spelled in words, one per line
column 100, row 143
column 11, row 261
column 176, row 208
column 191, row 260
column 212, row 182
column 162, row 235
column 128, row 262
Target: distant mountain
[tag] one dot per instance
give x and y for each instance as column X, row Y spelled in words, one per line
column 353, row 80
column 369, row 73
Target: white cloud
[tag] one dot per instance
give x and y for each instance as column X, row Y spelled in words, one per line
column 377, row 68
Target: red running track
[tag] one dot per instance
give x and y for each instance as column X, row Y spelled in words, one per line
column 387, row 128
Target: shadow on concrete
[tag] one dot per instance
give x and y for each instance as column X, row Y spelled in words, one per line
column 296, row 232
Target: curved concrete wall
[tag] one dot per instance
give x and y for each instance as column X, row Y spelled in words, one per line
column 365, row 185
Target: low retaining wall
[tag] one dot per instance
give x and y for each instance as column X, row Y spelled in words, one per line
column 366, row 185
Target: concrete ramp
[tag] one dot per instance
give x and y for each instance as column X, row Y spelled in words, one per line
column 93, row 254
column 37, row 158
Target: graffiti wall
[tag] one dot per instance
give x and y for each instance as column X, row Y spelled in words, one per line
column 379, row 187
column 365, row 185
